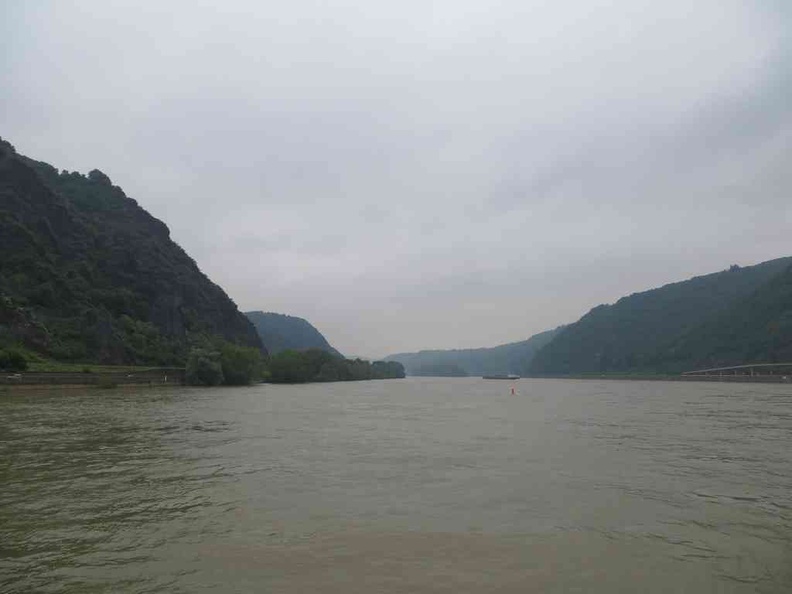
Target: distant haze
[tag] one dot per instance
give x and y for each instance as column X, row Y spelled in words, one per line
column 419, row 175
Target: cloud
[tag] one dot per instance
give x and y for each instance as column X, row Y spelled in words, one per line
column 414, row 175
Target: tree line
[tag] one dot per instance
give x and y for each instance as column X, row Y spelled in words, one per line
column 221, row 363
column 315, row 365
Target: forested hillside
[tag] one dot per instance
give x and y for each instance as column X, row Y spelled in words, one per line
column 512, row 358
column 739, row 315
column 88, row 275
column 755, row 329
column 279, row 332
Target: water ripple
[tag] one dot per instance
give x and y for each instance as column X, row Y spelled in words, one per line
column 124, row 492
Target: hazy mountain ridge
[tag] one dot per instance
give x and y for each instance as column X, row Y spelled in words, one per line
column 514, row 357
column 279, row 332
column 736, row 316
column 87, row 274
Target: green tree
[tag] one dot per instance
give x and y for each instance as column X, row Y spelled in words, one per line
column 289, row 367
column 359, row 369
column 329, row 372
column 240, row 365
column 204, row 368
column 316, row 365
column 387, row 370
column 314, row 360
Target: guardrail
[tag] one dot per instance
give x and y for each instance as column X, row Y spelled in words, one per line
column 751, row 369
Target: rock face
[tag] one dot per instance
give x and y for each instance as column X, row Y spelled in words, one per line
column 94, row 277
column 280, row 332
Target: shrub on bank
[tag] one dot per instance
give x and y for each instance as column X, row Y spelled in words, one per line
column 203, row 368
column 315, row 365
column 223, row 363
column 240, row 365
column 12, row 359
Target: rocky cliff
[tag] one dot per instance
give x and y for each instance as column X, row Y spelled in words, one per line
column 87, row 274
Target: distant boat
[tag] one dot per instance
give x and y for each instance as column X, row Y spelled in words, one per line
column 509, row 376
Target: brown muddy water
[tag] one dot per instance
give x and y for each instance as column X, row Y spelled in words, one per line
column 416, row 485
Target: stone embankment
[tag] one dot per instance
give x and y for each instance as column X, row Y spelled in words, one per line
column 159, row 376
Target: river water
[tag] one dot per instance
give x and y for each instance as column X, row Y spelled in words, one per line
column 415, row 485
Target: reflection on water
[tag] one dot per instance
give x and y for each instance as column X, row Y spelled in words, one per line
column 417, row 485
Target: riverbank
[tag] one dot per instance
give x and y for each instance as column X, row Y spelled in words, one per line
column 147, row 376
column 176, row 376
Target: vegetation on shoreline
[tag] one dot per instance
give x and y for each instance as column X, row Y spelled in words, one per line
column 316, row 365
column 224, row 363
column 216, row 362
column 12, row 359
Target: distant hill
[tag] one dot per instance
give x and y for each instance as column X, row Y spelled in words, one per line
column 87, row 275
column 739, row 315
column 437, row 370
column 280, row 332
column 512, row 358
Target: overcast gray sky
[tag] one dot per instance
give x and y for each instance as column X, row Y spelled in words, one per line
column 411, row 175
